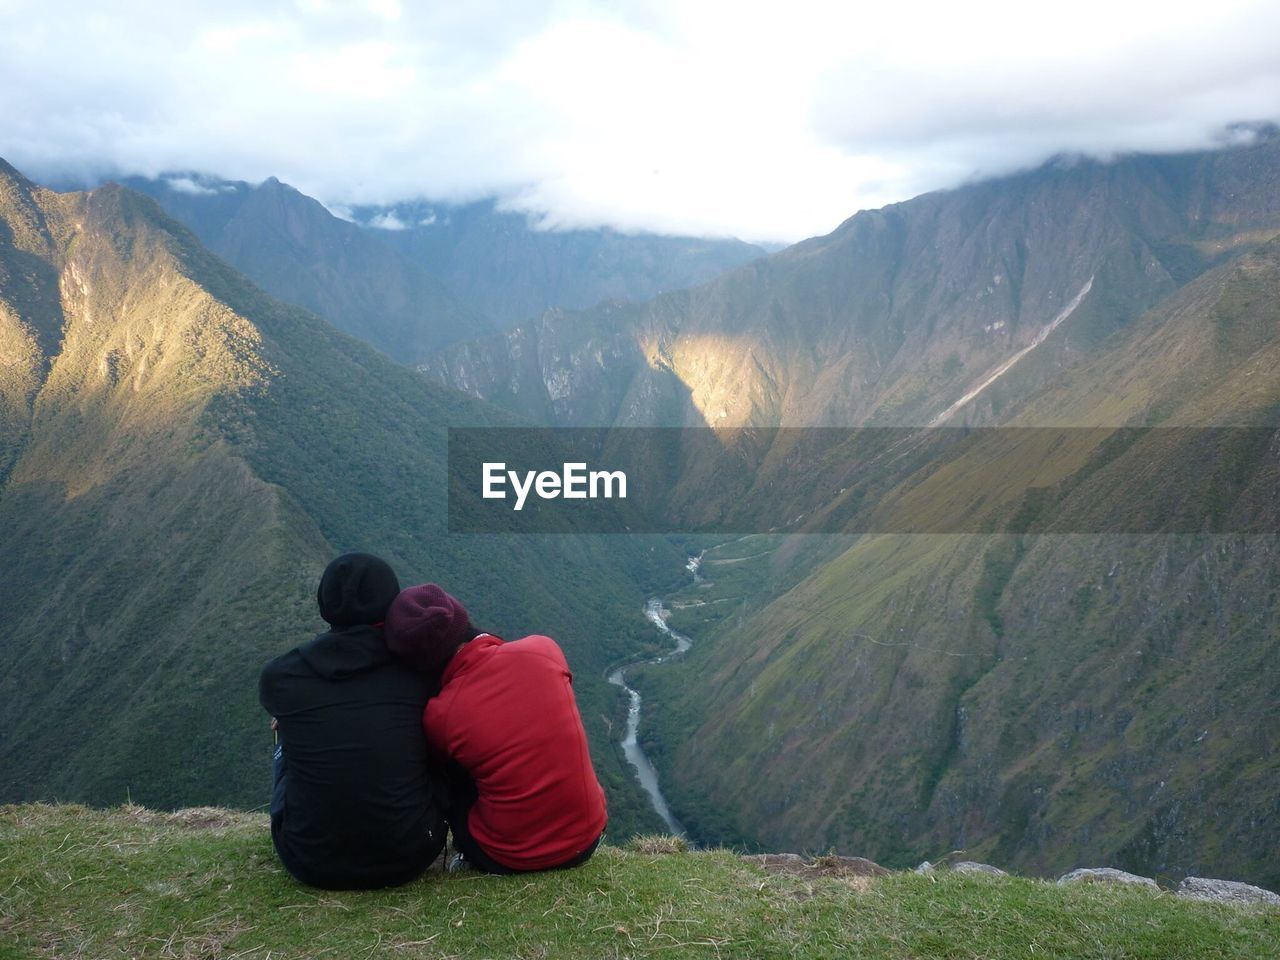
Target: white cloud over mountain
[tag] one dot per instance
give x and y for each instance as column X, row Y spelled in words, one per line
column 767, row 121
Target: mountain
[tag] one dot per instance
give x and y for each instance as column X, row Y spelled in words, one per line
column 295, row 249
column 512, row 269
column 1032, row 699
column 898, row 313
column 1040, row 700
column 183, row 454
column 444, row 274
column 1037, row 700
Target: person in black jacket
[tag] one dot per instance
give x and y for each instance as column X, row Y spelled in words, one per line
column 354, row 803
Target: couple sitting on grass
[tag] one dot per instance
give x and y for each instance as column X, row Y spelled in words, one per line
column 403, row 720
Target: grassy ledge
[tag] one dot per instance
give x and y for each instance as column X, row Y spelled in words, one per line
column 131, row 882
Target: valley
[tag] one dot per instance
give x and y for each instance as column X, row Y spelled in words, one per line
column 181, row 450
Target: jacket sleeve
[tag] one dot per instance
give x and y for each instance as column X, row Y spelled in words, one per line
column 435, row 724
column 268, row 687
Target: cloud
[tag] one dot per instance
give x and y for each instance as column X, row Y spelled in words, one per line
column 198, row 185
column 342, row 211
column 767, row 121
column 188, row 185
column 388, row 221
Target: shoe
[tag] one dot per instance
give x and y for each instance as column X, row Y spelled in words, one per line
column 458, row 864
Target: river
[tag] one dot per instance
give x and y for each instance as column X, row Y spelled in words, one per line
column 631, row 749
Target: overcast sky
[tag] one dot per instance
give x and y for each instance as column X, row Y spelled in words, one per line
column 768, row 121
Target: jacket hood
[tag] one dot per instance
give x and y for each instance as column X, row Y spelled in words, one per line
column 339, row 654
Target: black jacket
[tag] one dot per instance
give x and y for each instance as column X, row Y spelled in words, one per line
column 359, row 806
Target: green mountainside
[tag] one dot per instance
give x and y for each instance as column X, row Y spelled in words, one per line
column 131, row 882
column 299, row 252
column 1036, row 700
column 1033, row 699
column 445, row 273
column 183, row 456
column 899, row 312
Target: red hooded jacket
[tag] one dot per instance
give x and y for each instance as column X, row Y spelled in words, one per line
column 507, row 714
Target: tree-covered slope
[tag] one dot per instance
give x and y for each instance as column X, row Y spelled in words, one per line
column 1034, row 699
column 186, row 455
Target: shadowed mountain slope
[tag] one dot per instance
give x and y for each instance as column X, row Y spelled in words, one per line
column 184, row 456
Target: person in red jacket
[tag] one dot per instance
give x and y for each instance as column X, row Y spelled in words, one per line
column 525, row 796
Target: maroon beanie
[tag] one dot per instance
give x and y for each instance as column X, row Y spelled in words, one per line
column 425, row 626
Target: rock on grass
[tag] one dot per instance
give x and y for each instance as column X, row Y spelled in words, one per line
column 1226, row 891
column 1106, row 875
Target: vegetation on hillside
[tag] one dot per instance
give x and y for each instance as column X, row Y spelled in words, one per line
column 451, row 273
column 192, row 454
column 1035, row 699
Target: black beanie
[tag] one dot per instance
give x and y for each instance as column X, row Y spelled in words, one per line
column 356, row 588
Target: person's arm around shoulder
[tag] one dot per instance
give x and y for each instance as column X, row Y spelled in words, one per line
column 435, row 723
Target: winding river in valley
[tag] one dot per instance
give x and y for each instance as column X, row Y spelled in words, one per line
column 656, row 614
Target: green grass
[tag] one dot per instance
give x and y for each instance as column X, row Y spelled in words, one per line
column 130, row 882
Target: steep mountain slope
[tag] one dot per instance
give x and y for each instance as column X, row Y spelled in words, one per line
column 298, row 251
column 1039, row 700
column 30, row 310
column 446, row 273
column 185, row 454
column 1035, row 699
column 900, row 312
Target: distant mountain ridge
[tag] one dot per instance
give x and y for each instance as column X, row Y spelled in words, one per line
column 450, row 273
column 294, row 248
column 899, row 312
column 512, row 269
